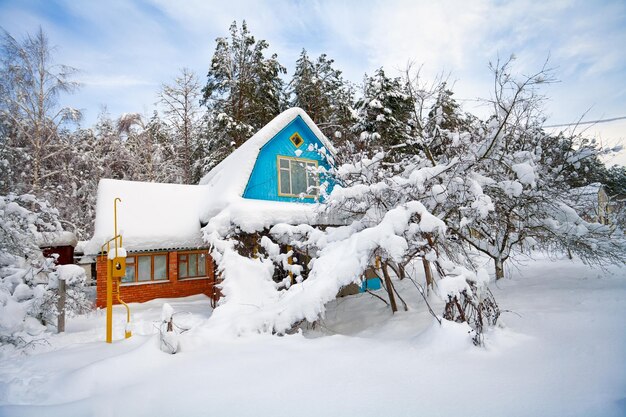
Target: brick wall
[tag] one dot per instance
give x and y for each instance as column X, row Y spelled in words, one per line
column 139, row 293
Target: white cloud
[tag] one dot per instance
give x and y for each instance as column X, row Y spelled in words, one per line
column 127, row 49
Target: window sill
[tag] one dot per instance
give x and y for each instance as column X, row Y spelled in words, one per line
column 132, row 284
column 193, row 278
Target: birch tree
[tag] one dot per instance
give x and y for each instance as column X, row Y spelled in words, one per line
column 30, row 109
column 180, row 101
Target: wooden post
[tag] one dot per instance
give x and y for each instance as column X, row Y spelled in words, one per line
column 61, row 307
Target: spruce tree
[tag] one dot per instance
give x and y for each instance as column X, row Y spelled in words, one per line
column 445, row 124
column 244, row 88
column 384, row 113
column 321, row 91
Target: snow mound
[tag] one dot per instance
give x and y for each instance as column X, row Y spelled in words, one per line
column 71, row 274
column 446, row 337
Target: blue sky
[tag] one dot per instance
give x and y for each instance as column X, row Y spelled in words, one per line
column 126, row 49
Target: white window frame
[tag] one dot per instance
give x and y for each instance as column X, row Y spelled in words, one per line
column 307, row 163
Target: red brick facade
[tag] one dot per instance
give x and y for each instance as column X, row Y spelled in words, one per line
column 141, row 292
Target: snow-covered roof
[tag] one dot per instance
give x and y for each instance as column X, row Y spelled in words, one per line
column 150, row 215
column 228, row 180
column 168, row 216
column 588, row 201
column 591, row 189
column 52, row 239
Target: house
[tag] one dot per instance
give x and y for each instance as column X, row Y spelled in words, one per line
column 592, row 202
column 274, row 177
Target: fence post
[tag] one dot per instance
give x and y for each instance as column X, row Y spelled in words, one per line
column 61, row 307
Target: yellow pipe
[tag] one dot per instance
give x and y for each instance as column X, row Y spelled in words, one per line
column 127, row 333
column 109, row 333
column 109, row 315
column 115, row 221
column 109, row 324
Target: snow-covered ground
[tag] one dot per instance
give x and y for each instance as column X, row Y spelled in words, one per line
column 561, row 351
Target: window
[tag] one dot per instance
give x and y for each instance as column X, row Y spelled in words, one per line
column 296, row 139
column 192, row 264
column 297, row 177
column 146, row 268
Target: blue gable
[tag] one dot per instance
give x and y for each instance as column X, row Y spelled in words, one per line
column 263, row 182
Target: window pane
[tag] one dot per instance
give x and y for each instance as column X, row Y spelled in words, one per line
column 284, row 182
column 312, row 183
column 160, row 267
column 193, row 265
column 202, row 265
column 144, row 268
column 182, row 267
column 284, row 163
column 298, row 178
column 130, row 270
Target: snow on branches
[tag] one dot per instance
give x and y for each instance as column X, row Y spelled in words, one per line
column 28, row 281
column 444, row 188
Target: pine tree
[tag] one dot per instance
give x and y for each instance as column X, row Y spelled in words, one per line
column 384, row 113
column 445, row 123
column 244, row 88
column 321, row 91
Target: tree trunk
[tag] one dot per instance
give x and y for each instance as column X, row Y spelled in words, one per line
column 389, row 285
column 430, row 282
column 499, row 268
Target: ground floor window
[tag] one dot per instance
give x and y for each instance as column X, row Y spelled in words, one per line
column 146, row 267
column 192, row 264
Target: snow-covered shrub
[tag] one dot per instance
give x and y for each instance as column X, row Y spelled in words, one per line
column 168, row 336
column 28, row 281
column 469, row 300
column 76, row 300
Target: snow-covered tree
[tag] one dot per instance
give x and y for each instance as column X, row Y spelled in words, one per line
column 444, row 123
column 180, row 100
column 508, row 192
column 151, row 151
column 97, row 152
column 33, row 119
column 244, row 88
column 493, row 186
column 28, row 281
column 321, row 91
column 384, row 113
